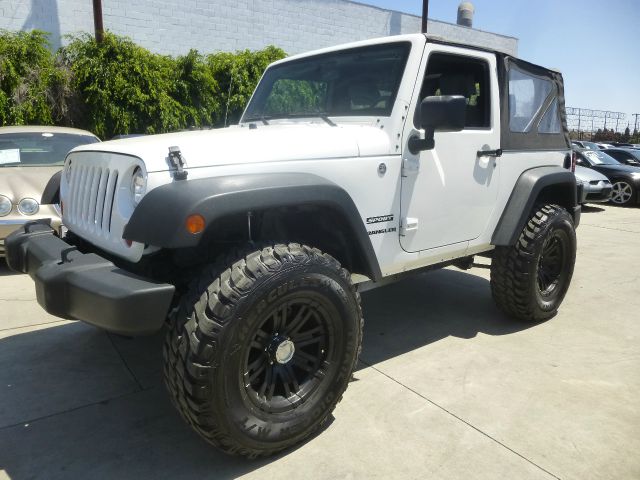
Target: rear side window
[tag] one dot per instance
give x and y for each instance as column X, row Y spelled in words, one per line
column 528, row 95
column 550, row 122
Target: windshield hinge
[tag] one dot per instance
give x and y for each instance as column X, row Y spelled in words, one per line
column 410, row 166
column 177, row 160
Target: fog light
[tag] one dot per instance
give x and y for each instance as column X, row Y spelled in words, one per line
column 195, row 224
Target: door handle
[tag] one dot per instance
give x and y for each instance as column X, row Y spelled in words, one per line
column 490, row 153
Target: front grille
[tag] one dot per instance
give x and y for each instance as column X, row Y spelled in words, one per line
column 91, row 197
column 96, row 207
column 603, row 194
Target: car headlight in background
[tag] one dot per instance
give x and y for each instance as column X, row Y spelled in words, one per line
column 28, row 206
column 5, row 206
column 138, row 185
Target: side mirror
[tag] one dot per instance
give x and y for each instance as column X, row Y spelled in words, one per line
column 445, row 113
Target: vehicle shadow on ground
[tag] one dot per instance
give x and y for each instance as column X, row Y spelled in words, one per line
column 422, row 310
column 5, row 271
column 78, row 403
column 592, row 209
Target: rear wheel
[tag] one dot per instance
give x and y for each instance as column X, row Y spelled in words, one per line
column 530, row 279
column 622, row 193
column 261, row 351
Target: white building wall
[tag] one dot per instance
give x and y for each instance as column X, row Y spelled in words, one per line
column 174, row 26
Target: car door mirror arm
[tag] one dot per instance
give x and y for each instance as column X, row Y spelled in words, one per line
column 417, row 144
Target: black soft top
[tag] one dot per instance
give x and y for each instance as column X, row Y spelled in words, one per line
column 532, row 139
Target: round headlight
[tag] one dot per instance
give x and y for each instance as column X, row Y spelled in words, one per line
column 28, row 206
column 138, row 185
column 5, row 206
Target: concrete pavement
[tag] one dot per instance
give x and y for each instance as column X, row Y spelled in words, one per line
column 447, row 387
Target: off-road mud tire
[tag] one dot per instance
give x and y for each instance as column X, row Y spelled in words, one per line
column 515, row 270
column 212, row 327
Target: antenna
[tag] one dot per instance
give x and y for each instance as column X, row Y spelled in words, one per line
column 226, row 112
column 425, row 15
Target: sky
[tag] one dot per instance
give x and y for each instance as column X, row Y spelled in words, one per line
column 594, row 43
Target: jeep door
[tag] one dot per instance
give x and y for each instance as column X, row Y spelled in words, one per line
column 449, row 192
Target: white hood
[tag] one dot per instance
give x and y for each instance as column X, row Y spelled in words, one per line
column 266, row 143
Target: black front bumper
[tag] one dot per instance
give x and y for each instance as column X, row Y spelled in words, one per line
column 87, row 287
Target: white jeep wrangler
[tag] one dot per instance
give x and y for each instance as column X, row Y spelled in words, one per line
column 351, row 167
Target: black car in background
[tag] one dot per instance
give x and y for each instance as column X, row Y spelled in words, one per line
column 624, row 178
column 627, row 156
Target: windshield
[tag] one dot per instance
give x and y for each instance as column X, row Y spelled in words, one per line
column 599, row 158
column 34, row 149
column 591, row 146
column 355, row 82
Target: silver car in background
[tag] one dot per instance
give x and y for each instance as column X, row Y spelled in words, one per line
column 29, row 157
column 596, row 188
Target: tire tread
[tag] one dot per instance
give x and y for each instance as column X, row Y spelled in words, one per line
column 198, row 324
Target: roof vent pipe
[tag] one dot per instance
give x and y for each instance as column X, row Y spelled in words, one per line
column 465, row 14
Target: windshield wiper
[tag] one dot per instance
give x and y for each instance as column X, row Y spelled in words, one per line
column 264, row 118
column 328, row 120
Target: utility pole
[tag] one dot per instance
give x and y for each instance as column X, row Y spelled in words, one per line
column 579, row 131
column 97, row 20
column 425, row 15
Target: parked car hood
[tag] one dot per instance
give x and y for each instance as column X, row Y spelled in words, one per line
column 268, row 143
column 588, row 175
column 617, row 168
column 17, row 183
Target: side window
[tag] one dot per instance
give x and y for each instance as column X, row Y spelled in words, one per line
column 621, row 156
column 457, row 75
column 550, row 122
column 527, row 95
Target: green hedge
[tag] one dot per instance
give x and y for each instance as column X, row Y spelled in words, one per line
column 33, row 87
column 118, row 87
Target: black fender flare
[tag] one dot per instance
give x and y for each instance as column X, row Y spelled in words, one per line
column 159, row 219
column 561, row 184
column 51, row 193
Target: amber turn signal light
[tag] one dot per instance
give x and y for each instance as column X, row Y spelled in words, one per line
column 195, row 224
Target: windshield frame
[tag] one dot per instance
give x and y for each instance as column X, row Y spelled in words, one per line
column 248, row 116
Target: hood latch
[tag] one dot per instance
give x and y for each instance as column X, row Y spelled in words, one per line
column 177, row 160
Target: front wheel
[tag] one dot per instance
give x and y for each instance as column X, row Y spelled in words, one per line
column 530, row 279
column 622, row 193
column 261, row 350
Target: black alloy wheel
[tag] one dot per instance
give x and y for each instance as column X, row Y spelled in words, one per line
column 290, row 354
column 552, row 265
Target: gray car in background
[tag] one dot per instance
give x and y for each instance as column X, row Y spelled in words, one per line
column 596, row 188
